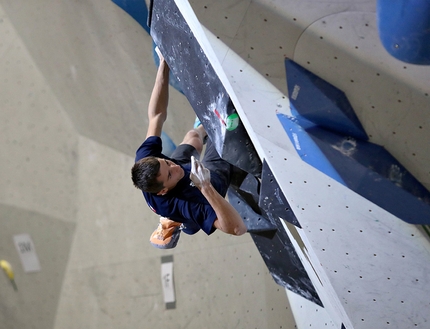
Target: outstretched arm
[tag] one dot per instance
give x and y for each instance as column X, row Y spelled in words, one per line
column 228, row 219
column 157, row 108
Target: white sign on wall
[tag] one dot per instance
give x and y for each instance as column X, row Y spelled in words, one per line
column 167, row 281
column 27, row 252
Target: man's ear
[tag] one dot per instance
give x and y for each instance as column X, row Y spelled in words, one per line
column 163, row 191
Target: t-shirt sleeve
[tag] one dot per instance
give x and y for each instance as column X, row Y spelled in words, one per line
column 152, row 146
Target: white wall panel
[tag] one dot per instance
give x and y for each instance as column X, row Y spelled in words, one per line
column 357, row 250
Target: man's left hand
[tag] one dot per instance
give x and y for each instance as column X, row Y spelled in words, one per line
column 200, row 175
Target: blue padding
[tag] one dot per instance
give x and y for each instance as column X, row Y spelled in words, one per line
column 136, row 9
column 404, row 29
column 305, row 146
column 168, row 145
column 375, row 174
column 320, row 102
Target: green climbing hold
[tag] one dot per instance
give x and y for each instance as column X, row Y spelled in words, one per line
column 232, row 122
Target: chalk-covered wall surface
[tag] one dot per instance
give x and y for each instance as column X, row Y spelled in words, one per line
column 75, row 81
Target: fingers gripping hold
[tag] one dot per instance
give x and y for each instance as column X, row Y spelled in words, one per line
column 200, row 175
column 160, row 55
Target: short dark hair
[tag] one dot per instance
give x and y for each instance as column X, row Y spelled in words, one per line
column 144, row 175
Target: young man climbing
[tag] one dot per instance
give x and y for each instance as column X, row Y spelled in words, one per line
column 188, row 195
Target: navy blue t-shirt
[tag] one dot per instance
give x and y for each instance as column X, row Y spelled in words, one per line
column 184, row 203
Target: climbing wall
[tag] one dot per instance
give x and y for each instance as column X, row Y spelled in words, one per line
column 340, row 233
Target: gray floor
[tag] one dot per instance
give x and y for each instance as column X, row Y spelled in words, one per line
column 75, row 82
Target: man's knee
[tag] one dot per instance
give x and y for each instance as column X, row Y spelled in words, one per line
column 193, row 133
column 194, row 138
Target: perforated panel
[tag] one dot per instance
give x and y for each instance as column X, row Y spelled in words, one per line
column 391, row 98
column 342, row 232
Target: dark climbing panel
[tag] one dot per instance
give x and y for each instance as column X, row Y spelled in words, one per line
column 272, row 200
column 209, row 99
column 244, row 198
column 202, row 87
column 266, row 229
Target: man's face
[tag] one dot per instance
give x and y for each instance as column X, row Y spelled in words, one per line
column 170, row 174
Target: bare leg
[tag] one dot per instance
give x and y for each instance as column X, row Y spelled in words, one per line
column 195, row 138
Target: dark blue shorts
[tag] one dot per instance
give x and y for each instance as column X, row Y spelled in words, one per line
column 211, row 160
